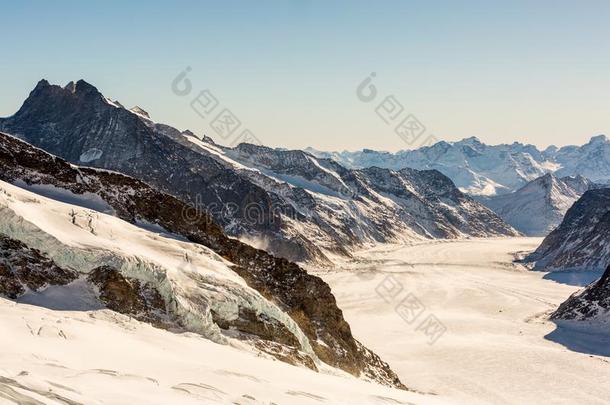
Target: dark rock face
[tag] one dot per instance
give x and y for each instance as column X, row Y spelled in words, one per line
column 307, row 299
column 272, row 337
column 22, row 269
column 581, row 240
column 591, row 303
column 292, row 216
column 80, row 125
column 128, row 296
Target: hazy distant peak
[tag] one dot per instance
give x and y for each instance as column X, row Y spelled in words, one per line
column 138, row 110
column 598, row 139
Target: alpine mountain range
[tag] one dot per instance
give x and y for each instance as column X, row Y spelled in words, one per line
column 107, row 208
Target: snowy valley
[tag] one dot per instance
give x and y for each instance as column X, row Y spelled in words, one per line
column 174, row 269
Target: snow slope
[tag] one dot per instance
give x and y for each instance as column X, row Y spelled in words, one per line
column 101, row 357
column 305, row 298
column 538, row 207
column 193, row 280
column 499, row 347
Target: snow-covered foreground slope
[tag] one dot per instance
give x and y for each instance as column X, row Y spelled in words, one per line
column 196, row 284
column 101, row 357
column 499, row 346
column 306, row 299
column 199, row 290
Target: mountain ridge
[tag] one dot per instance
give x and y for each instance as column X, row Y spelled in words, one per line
column 295, row 205
column 481, row 169
column 539, row 206
column 581, row 241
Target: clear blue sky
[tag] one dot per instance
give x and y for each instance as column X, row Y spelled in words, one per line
column 536, row 72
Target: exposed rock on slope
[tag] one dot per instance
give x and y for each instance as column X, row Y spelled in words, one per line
column 539, row 206
column 23, row 269
column 592, row 303
column 295, row 205
column 305, row 298
column 582, row 240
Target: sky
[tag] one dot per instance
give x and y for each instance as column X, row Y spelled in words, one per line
column 289, row 71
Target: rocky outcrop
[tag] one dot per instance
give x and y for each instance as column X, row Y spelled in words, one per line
column 581, row 241
column 486, row 170
column 307, row 299
column 128, row 296
column 23, row 269
column 592, row 303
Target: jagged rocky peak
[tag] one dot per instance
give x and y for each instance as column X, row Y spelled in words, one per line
column 578, row 183
column 71, row 86
column 598, row 139
column 42, row 83
column 138, row 110
column 52, row 98
column 471, row 141
column 204, row 139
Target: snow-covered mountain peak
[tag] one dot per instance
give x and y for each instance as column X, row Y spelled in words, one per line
column 472, row 141
column 487, row 170
column 139, row 111
column 538, row 207
column 598, row 139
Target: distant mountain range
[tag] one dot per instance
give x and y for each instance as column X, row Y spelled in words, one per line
column 291, row 203
column 480, row 169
